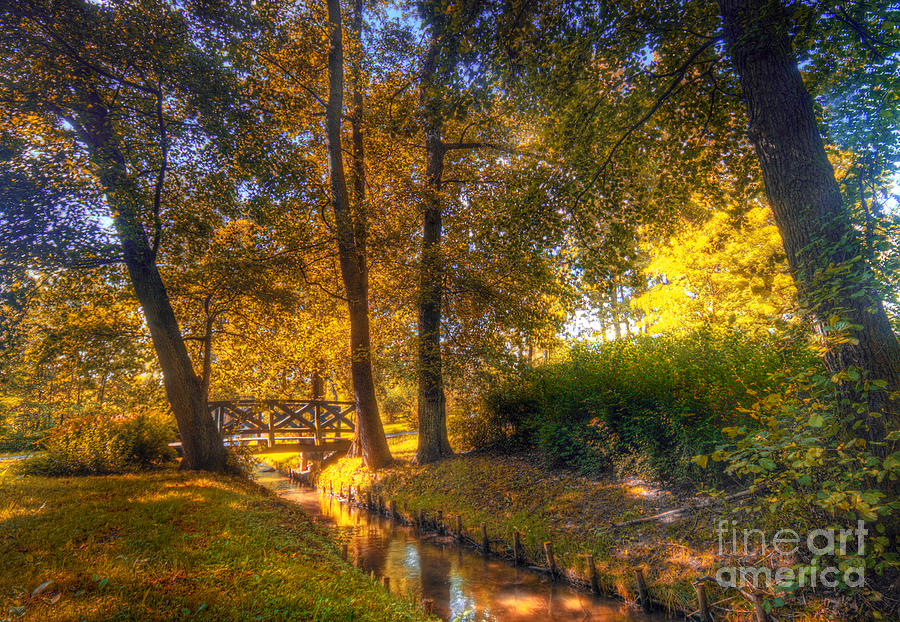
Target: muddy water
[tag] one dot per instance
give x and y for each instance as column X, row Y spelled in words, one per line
column 462, row 584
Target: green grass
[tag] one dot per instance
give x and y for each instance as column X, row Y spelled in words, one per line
column 402, row 426
column 172, row 546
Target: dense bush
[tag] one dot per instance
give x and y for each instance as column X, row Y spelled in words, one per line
column 98, row 444
column 17, row 440
column 643, row 406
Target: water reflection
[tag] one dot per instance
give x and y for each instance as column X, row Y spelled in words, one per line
column 459, row 581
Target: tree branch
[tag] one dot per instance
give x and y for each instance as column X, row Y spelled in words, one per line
column 680, row 73
column 161, row 176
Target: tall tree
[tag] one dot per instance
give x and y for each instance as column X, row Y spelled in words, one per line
column 351, row 250
column 433, row 443
column 114, row 102
column 823, row 250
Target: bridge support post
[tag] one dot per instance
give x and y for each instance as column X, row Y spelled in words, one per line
column 271, row 426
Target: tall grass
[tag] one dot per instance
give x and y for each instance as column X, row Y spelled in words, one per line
column 643, row 406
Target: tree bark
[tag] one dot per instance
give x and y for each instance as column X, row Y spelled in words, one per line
column 206, row 376
column 201, row 442
column 317, row 386
column 823, row 250
column 373, row 443
column 433, row 442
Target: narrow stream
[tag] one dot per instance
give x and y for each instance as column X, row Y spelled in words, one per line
column 461, row 582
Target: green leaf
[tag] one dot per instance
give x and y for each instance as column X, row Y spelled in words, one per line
column 892, row 462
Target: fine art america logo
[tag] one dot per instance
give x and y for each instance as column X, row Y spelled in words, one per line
column 787, row 546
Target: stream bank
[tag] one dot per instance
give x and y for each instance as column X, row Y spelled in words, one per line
column 462, row 584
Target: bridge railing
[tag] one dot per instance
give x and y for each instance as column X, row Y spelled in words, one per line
column 279, row 421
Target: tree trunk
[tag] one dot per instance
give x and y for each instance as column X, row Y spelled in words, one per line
column 433, row 442
column 201, row 442
column 206, row 377
column 373, row 443
column 617, row 323
column 317, row 386
column 823, row 250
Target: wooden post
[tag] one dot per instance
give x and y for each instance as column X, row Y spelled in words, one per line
column 331, row 488
column 428, row 605
column 700, row 588
column 393, row 509
column 304, row 464
column 421, row 518
column 387, row 583
column 642, row 589
column 758, row 610
column 592, row 573
column 271, row 426
column 459, row 534
column 380, row 504
column 517, row 548
column 440, row 522
column 344, row 551
column 318, row 432
column 485, row 542
column 551, row 561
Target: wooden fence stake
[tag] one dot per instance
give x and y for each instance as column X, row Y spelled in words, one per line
column 758, row 607
column 642, row 589
column 702, row 606
column 458, row 527
column 485, row 542
column 551, row 561
column 517, row 548
column 344, row 551
column 331, row 488
column 592, row 573
column 387, row 583
column 393, row 509
column 428, row 605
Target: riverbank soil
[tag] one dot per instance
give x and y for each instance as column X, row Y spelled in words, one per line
column 173, row 546
column 579, row 516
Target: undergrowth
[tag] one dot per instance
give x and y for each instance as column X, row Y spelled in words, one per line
column 643, row 406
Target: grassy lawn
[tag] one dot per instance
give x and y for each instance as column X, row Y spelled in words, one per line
column 172, row 546
column 402, row 426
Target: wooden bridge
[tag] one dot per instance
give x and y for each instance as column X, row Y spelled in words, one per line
column 307, row 426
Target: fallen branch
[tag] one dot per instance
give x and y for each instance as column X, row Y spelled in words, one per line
column 679, row 511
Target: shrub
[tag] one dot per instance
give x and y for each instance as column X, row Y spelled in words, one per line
column 100, row 444
column 644, row 405
column 809, row 466
column 18, row 440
